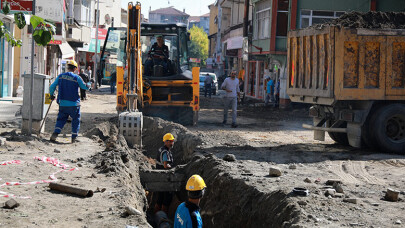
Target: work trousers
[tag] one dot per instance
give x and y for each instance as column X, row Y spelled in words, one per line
column 63, row 115
column 230, row 102
column 149, row 63
column 207, row 88
column 82, row 94
column 164, row 199
column 269, row 98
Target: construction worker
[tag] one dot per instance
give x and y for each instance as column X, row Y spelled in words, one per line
column 68, row 99
column 164, row 160
column 188, row 213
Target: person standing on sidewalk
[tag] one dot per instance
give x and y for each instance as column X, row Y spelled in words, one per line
column 208, row 85
column 231, row 86
column 164, row 160
column 113, row 80
column 68, row 99
column 270, row 91
column 85, row 79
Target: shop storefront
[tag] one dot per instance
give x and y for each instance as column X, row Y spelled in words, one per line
column 6, row 74
column 255, row 77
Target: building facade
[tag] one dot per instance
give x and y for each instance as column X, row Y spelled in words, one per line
column 168, row 15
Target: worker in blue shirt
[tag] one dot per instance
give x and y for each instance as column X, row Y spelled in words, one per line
column 188, row 213
column 68, row 99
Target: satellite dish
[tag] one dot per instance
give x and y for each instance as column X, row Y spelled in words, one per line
column 107, row 19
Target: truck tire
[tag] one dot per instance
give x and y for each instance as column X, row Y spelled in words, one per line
column 389, row 128
column 340, row 138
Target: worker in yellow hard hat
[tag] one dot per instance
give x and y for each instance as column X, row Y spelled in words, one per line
column 164, row 160
column 68, row 99
column 188, row 213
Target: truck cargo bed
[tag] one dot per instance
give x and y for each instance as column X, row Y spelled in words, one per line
column 336, row 64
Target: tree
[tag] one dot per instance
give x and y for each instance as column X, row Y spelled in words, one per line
column 43, row 29
column 199, row 44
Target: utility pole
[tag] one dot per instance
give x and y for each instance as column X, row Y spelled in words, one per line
column 32, row 75
column 246, row 19
column 96, row 49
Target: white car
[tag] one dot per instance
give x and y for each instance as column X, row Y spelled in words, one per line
column 215, row 82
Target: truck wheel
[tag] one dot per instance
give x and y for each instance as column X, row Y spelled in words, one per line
column 340, row 138
column 389, row 128
column 187, row 117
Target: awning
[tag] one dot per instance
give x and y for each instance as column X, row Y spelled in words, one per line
column 234, row 43
column 67, row 50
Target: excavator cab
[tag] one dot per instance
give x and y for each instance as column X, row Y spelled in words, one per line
column 167, row 88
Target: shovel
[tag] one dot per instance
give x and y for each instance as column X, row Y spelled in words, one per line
column 43, row 121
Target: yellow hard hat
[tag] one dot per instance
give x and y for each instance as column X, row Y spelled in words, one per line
column 195, row 183
column 168, row 136
column 72, row 62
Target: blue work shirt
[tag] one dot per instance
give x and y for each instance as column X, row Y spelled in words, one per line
column 188, row 216
column 270, row 86
column 68, row 84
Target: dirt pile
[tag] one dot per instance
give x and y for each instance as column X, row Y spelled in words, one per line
column 370, row 20
column 185, row 141
column 231, row 202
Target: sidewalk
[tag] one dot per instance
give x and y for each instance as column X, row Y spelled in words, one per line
column 8, row 111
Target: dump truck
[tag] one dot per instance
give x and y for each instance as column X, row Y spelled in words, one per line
column 355, row 80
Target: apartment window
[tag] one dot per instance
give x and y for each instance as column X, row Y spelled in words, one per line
column 262, row 25
column 282, row 18
column 312, row 17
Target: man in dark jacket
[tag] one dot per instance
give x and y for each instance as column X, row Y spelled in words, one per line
column 113, row 80
column 164, row 160
column 85, row 79
column 68, row 99
column 158, row 55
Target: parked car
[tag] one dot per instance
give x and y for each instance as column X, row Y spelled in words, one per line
column 215, row 80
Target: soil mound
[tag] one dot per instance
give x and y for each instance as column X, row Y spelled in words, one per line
column 228, row 197
column 185, row 141
column 369, row 20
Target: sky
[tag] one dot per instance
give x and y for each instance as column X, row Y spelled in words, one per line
column 193, row 7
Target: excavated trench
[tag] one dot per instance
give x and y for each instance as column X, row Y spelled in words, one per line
column 230, row 201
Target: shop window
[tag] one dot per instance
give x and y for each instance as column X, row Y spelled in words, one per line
column 312, row 17
column 262, row 22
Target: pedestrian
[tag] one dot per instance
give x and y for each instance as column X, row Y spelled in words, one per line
column 164, row 160
column 241, row 77
column 208, row 85
column 231, row 86
column 113, row 80
column 68, row 99
column 269, row 91
column 88, row 72
column 188, row 213
column 99, row 78
column 85, row 79
column 277, row 93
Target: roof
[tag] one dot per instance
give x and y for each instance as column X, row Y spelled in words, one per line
column 194, row 19
column 169, row 11
column 205, row 15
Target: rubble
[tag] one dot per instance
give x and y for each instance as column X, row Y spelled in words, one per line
column 11, row 204
column 392, row 195
column 229, row 158
column 275, row 172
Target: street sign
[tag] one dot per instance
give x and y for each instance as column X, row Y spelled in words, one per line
column 24, row 6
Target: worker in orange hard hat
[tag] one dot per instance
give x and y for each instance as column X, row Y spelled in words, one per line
column 164, row 160
column 188, row 213
column 68, row 99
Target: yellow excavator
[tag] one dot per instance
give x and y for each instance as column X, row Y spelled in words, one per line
column 167, row 89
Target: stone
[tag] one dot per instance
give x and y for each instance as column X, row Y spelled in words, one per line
column 80, row 219
column 392, row 195
column 302, row 203
column 11, row 204
column 307, row 180
column 275, row 172
column 79, row 165
column 2, row 141
column 398, row 222
column 332, row 181
column 330, row 192
column 339, row 195
column 351, row 200
column 93, row 175
column 292, row 166
column 229, row 157
column 132, row 211
column 56, row 151
column 338, row 187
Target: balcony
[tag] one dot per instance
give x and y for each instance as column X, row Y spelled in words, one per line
column 80, row 34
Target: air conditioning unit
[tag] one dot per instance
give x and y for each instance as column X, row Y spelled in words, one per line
column 70, row 21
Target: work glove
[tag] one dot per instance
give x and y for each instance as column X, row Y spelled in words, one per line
column 52, row 97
